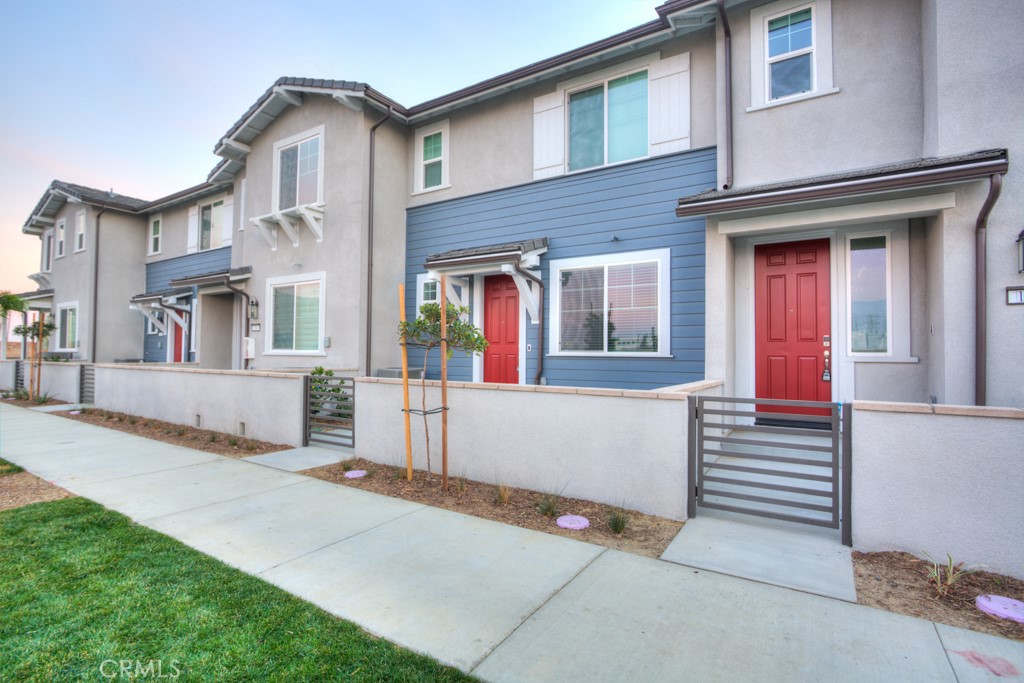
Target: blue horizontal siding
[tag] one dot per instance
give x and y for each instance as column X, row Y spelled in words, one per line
column 580, row 214
column 158, row 278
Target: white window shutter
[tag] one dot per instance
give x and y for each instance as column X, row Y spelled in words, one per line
column 549, row 135
column 669, row 87
column 228, row 220
column 193, row 230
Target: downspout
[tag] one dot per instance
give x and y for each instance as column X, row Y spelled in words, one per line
column 980, row 293
column 540, row 321
column 245, row 316
column 95, row 285
column 369, row 240
column 727, row 32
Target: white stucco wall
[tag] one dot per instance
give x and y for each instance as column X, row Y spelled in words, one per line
column 940, row 479
column 270, row 404
column 58, row 380
column 593, row 444
column 7, row 374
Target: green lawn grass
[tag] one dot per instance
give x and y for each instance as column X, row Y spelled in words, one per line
column 81, row 585
column 8, row 468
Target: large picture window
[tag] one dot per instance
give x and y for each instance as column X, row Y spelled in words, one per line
column 608, row 122
column 612, row 304
column 67, row 327
column 869, row 294
column 296, row 315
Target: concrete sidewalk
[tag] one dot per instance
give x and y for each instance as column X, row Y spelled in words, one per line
column 503, row 603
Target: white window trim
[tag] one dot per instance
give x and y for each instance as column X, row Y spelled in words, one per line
column 422, row 279
column 199, row 217
column 664, row 259
column 821, row 50
column 46, row 265
column 60, row 332
column 80, row 222
column 160, row 236
column 441, row 127
column 268, row 335
column 889, row 277
column 60, row 236
column 288, row 142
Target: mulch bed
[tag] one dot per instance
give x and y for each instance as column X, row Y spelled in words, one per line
column 898, row 582
column 644, row 534
column 24, row 488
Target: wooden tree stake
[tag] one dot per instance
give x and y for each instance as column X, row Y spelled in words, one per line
column 444, row 382
column 405, row 387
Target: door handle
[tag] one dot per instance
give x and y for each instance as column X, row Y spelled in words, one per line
column 827, row 375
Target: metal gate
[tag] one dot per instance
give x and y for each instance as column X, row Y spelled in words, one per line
column 330, row 411
column 87, row 384
column 19, row 374
column 781, row 463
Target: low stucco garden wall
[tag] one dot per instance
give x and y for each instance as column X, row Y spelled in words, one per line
column 270, row 404
column 624, row 448
column 59, row 381
column 7, row 374
column 940, row 479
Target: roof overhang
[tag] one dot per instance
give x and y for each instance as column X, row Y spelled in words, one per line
column 39, row 300
column 893, row 178
column 220, row 277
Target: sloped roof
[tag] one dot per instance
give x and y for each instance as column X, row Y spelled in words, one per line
column 58, row 193
column 487, row 252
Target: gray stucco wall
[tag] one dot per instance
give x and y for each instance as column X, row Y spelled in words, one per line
column 122, row 274
column 214, row 331
column 71, row 276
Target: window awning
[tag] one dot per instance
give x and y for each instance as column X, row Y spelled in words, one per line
column 291, row 221
column 510, row 258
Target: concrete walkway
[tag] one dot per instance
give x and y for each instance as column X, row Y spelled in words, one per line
column 503, row 603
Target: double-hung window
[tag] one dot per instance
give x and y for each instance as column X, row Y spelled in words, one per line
column 211, row 225
column 299, row 170
column 608, row 122
column 297, row 314
column 790, row 54
column 80, row 231
column 612, row 304
column 869, row 294
column 431, row 157
column 47, row 261
column 60, row 238
column 67, row 327
column 155, row 234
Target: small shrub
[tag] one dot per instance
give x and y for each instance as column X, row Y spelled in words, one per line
column 617, row 520
column 232, row 441
column 250, row 446
column 347, row 465
column 132, row 420
column 548, row 505
column 41, row 398
column 504, row 494
column 179, row 432
column 944, row 577
column 211, row 437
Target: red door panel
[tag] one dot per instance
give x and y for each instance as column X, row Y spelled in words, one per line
column 792, row 319
column 501, row 328
column 178, row 337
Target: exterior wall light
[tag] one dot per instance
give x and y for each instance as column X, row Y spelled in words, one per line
column 1020, row 252
column 254, row 309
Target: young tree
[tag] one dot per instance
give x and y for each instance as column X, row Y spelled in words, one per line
column 425, row 331
column 9, row 303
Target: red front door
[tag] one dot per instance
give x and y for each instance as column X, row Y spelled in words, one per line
column 501, row 328
column 178, row 342
column 792, row 320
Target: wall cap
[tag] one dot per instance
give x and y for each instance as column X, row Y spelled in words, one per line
column 674, row 394
column 940, row 409
column 143, row 367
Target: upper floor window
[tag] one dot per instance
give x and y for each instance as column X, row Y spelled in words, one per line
column 632, row 110
column 608, row 122
column 611, row 304
column 155, row 234
column 211, row 225
column 432, row 157
column 80, row 231
column 46, row 264
column 790, row 51
column 298, row 170
column 60, row 238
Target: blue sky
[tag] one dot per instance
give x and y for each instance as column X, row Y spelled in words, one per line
column 133, row 95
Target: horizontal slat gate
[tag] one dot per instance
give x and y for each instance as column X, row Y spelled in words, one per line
column 782, row 465
column 87, row 384
column 330, row 411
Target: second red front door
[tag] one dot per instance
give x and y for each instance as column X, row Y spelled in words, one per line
column 501, row 328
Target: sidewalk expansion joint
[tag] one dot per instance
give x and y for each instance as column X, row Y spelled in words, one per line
column 952, row 669
column 554, row 593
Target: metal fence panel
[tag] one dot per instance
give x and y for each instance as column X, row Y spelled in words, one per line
column 330, row 411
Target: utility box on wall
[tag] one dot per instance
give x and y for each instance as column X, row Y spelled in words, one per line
column 249, row 344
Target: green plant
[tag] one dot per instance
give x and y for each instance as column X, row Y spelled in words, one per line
column 41, row 399
column 250, row 446
column 179, row 431
column 132, row 420
column 232, row 441
column 425, row 332
column 347, row 465
column 9, row 303
column 327, row 396
column 212, row 437
column 944, row 577
column 548, row 505
column 617, row 520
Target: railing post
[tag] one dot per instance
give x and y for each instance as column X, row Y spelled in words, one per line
column 847, row 475
column 305, row 410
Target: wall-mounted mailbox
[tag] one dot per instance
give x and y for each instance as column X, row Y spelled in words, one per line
column 1015, row 296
